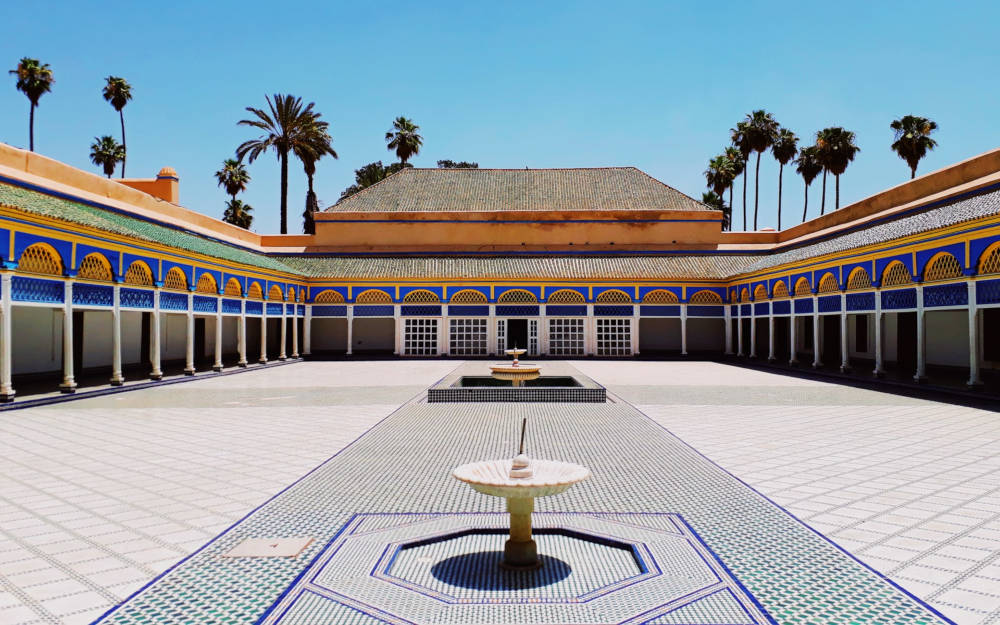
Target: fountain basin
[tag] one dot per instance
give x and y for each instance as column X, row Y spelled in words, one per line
column 492, row 477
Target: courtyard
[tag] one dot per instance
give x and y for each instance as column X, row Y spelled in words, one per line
column 103, row 495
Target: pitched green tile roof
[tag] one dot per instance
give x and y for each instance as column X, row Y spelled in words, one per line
column 521, row 267
column 476, row 190
column 110, row 221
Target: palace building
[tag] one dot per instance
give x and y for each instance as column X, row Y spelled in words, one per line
column 114, row 275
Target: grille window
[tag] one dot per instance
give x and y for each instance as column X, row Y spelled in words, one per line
column 421, row 337
column 614, row 337
column 566, row 337
column 467, row 337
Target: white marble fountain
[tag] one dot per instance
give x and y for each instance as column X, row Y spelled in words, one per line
column 520, row 480
column 515, row 371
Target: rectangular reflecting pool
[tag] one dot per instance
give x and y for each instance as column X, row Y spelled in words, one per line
column 546, row 388
column 546, row 381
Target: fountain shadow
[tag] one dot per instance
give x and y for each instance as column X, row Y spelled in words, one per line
column 481, row 571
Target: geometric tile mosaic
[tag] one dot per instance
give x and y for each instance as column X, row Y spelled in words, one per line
column 445, row 569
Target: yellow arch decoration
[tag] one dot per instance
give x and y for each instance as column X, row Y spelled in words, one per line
column 373, row 296
column 517, row 296
column 95, row 266
column 859, row 279
column 802, row 287
column 614, row 296
column 896, row 274
column 207, row 284
column 139, row 273
column 468, row 296
column 233, row 288
column 745, row 295
column 290, row 294
column 780, row 290
column 565, row 296
column 760, row 292
column 329, row 296
column 705, row 297
column 274, row 293
column 40, row 258
column 989, row 260
column 421, row 296
column 255, row 291
column 942, row 266
column 828, row 283
column 660, row 296
column 175, row 280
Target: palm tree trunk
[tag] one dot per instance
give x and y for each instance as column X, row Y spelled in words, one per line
column 837, row 177
column 805, row 205
column 822, row 204
column 730, row 206
column 744, row 198
column 756, row 192
column 781, row 168
column 284, row 192
column 121, row 116
column 31, row 128
column 913, row 173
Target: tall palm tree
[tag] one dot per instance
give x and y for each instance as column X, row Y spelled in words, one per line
column 808, row 166
column 713, row 199
column 913, row 139
column 740, row 136
column 233, row 177
column 719, row 176
column 761, row 131
column 238, row 213
column 285, row 127
column 34, row 79
column 317, row 144
column 118, row 92
column 786, row 145
column 106, row 153
column 837, row 148
column 739, row 164
column 403, row 138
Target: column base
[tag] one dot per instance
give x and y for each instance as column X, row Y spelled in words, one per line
column 976, row 385
column 295, row 356
column 117, row 381
column 262, row 361
column 216, row 368
column 920, row 379
column 6, row 398
column 793, row 363
column 772, row 359
column 349, row 353
column 846, row 369
column 520, row 555
column 189, row 372
column 156, row 375
column 242, row 364
column 878, row 373
column 817, row 364
column 282, row 358
column 67, row 388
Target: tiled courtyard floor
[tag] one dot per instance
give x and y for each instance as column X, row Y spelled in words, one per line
column 98, row 496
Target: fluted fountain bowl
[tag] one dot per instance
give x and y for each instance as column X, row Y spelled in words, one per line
column 548, row 477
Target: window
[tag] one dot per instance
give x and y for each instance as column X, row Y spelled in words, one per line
column 566, row 337
column 467, row 337
column 421, row 337
column 614, row 337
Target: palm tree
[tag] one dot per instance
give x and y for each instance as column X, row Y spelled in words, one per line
column 238, row 213
column 739, row 164
column 837, row 150
column 808, row 166
column 118, row 92
column 34, row 79
column 761, row 131
column 285, row 127
column 106, row 153
column 786, row 145
column 317, row 144
column 403, row 138
column 713, row 199
column 233, row 177
column 913, row 139
column 740, row 136
column 719, row 176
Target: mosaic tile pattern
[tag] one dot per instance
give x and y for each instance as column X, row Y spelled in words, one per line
column 403, row 465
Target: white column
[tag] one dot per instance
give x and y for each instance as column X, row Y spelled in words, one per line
column 792, row 320
column 443, row 334
column 155, row 372
column 974, row 379
column 845, row 359
column 307, row 331
column 243, row 333
column 400, row 326
column 6, row 387
column 284, row 331
column 879, row 323
column 263, row 333
column 729, row 329
column 116, row 338
column 491, row 325
column 217, row 365
column 350, row 329
column 189, row 352
column 684, row 329
column 816, row 361
column 770, row 332
column 753, row 329
column 739, row 329
column 68, row 384
column 543, row 333
column 295, row 329
column 636, row 318
column 921, row 374
column 590, row 332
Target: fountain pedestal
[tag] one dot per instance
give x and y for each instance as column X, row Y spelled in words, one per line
column 520, row 551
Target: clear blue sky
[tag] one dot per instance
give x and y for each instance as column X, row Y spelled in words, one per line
column 656, row 85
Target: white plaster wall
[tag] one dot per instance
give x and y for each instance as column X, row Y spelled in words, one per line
column 36, row 339
column 947, row 337
column 374, row 335
column 96, row 339
column 852, row 335
column 230, row 336
column 706, row 335
column 173, row 336
column 803, row 339
column 889, row 337
column 329, row 334
column 131, row 337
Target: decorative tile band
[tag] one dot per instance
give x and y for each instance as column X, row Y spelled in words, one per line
column 135, row 298
column 705, row 311
column 458, row 310
column 761, row 309
column 329, row 311
column 781, row 307
column 618, row 310
column 803, row 306
column 36, row 290
column 373, row 311
column 173, row 301
column 565, row 310
column 420, row 310
column 205, row 304
column 829, row 303
column 517, row 311
column 946, row 295
column 899, row 299
column 231, row 306
column 93, row 295
column 648, row 310
column 988, row 292
column 860, row 301
column 273, row 309
column 255, row 308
